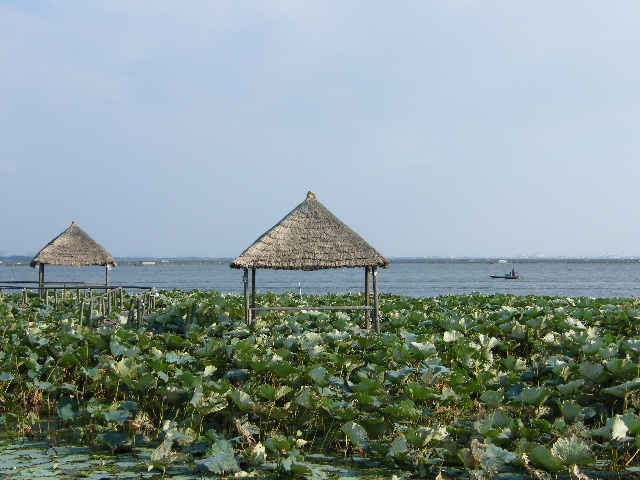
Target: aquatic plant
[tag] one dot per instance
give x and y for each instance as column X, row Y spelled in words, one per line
column 484, row 383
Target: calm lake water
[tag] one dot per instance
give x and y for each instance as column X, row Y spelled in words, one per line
column 416, row 278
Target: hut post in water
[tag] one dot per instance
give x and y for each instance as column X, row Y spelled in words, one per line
column 41, row 280
column 245, row 281
column 253, row 288
column 367, row 316
column 376, row 303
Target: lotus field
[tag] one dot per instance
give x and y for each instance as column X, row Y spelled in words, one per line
column 476, row 386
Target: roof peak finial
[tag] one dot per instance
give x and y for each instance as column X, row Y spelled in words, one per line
column 311, row 195
column 74, row 224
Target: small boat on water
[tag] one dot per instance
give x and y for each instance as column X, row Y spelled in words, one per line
column 512, row 275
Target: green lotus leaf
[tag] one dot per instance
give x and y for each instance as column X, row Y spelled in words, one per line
column 221, row 461
column 543, row 457
column 117, row 350
column 423, row 436
column 514, row 364
column 283, row 370
column 355, row 433
column 129, row 405
column 278, row 444
column 117, row 416
column 379, row 449
column 114, row 439
column 594, row 346
column 571, row 411
column 452, row 336
column 494, row 458
column 178, row 357
column 241, row 399
column 572, row 451
column 492, row 398
column 571, row 387
column 422, row 349
column 189, row 380
column 622, row 368
column 631, row 345
column 403, row 409
column 615, row 428
column 534, row 396
column 594, row 372
column 68, row 358
column 488, row 342
column 125, row 368
column 420, row 391
column 175, row 395
column 397, row 376
column 632, row 421
column 208, row 349
column 519, row 332
column 308, row 398
column 148, row 381
column 398, row 446
column 68, row 408
column 292, row 464
column 624, row 389
column 319, row 376
column 366, row 385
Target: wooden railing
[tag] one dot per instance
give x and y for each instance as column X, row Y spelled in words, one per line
column 95, row 300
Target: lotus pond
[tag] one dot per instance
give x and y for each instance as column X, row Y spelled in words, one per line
column 477, row 386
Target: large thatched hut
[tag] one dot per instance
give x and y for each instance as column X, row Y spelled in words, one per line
column 310, row 237
column 75, row 248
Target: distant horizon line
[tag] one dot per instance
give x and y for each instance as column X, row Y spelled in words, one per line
column 494, row 259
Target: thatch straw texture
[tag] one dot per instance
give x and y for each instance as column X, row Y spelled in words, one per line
column 73, row 247
column 310, row 237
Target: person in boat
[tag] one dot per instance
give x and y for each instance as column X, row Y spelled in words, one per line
column 513, row 272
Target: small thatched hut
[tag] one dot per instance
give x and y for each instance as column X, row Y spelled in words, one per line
column 310, row 237
column 75, row 248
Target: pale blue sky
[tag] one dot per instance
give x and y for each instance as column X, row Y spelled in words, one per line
column 432, row 128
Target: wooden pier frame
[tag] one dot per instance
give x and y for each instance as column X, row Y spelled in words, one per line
column 42, row 283
column 251, row 309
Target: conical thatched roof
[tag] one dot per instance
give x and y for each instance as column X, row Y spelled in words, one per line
column 310, row 237
column 75, row 248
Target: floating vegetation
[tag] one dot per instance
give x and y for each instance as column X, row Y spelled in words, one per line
column 478, row 386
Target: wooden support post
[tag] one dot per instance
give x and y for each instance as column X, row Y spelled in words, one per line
column 367, row 300
column 90, row 317
column 130, row 314
column 253, row 288
column 376, row 303
column 247, row 311
column 41, row 280
column 81, row 312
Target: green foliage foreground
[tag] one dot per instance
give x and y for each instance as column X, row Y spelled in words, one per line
column 485, row 384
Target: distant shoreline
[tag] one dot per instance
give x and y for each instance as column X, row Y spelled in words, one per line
column 159, row 261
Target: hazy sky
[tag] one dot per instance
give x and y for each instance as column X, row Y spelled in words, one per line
column 432, row 128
